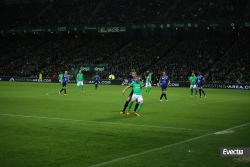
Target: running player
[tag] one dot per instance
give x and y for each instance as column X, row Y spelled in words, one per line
column 148, row 83
column 64, row 81
column 192, row 81
column 40, row 77
column 130, row 95
column 137, row 87
column 60, row 78
column 96, row 80
column 164, row 81
column 200, row 84
column 80, row 80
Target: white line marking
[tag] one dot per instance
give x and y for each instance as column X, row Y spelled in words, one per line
column 159, row 148
column 161, row 127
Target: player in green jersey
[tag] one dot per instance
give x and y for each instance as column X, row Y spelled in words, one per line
column 60, row 78
column 79, row 80
column 137, row 87
column 148, row 83
column 192, row 81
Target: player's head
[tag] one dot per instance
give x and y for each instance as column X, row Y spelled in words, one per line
column 193, row 74
column 150, row 74
column 66, row 72
column 133, row 74
column 136, row 78
column 199, row 73
column 61, row 72
column 80, row 71
column 97, row 73
column 164, row 73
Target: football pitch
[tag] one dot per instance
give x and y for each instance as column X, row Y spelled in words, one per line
column 39, row 127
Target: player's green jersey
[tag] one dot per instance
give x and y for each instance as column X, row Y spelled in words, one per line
column 79, row 77
column 148, row 79
column 60, row 76
column 136, row 87
column 193, row 80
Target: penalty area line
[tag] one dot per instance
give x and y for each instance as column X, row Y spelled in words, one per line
column 112, row 123
column 159, row 148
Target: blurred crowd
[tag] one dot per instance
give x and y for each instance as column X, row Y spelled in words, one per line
column 206, row 10
column 235, row 67
column 194, row 54
column 140, row 11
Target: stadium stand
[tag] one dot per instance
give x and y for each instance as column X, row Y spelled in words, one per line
column 19, row 15
column 235, row 66
column 140, row 11
column 203, row 11
column 192, row 55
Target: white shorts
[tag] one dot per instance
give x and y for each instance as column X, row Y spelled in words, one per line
column 148, row 85
column 60, row 80
column 192, row 86
column 138, row 98
column 79, row 83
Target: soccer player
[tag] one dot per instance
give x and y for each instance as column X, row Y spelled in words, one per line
column 137, row 87
column 164, row 81
column 60, row 78
column 130, row 95
column 80, row 80
column 192, row 81
column 96, row 80
column 64, row 81
column 200, row 84
column 148, row 83
column 40, row 77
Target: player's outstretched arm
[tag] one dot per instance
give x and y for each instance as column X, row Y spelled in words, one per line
column 125, row 89
column 159, row 83
column 142, row 85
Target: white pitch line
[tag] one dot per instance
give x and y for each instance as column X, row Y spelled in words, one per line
column 113, row 123
column 159, row 148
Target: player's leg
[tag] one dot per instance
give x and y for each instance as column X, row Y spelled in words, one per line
column 61, row 90
column 199, row 90
column 136, row 106
column 96, row 84
column 82, row 86
column 131, row 103
column 140, row 99
column 164, row 94
column 203, row 92
column 146, row 91
column 126, row 104
column 163, row 90
column 195, row 91
column 191, row 90
column 78, row 86
column 149, row 88
column 60, row 82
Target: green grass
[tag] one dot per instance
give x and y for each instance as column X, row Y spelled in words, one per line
column 71, row 139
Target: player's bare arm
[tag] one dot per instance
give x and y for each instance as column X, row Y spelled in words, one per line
column 125, row 89
column 125, row 80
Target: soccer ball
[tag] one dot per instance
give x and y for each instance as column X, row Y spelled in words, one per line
column 111, row 77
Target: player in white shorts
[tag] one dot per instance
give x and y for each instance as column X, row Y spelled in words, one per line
column 79, row 80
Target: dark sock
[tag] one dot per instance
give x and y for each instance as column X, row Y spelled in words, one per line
column 200, row 92
column 165, row 96
column 136, row 106
column 203, row 92
column 61, row 90
column 125, row 105
column 64, row 91
column 161, row 96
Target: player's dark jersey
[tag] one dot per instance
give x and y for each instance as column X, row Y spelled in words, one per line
column 65, row 78
column 97, row 78
column 199, row 80
column 164, row 80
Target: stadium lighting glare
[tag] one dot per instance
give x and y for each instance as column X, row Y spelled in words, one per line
column 208, row 28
